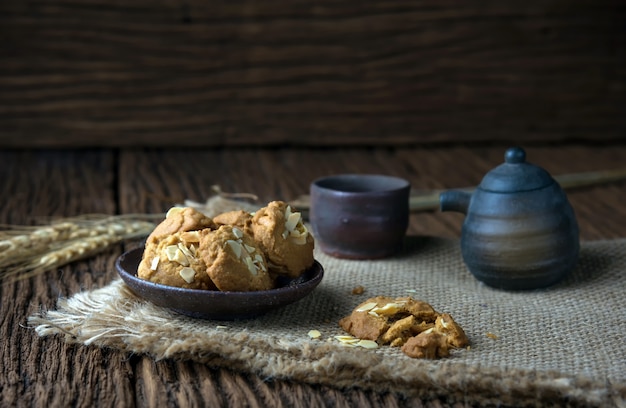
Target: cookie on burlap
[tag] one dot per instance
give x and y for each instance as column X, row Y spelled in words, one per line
column 405, row 322
column 284, row 238
column 180, row 219
column 174, row 261
column 234, row 260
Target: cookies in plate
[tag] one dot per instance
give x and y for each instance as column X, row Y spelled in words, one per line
column 233, row 251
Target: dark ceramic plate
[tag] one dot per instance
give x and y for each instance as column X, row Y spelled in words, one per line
column 210, row 304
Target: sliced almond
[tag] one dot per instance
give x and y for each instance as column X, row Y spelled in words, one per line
column 249, row 248
column 259, row 262
column 185, row 250
column 388, row 309
column 170, row 252
column 155, row 263
column 188, row 274
column 294, row 228
column 262, row 266
column 191, row 236
column 173, row 211
column 356, row 342
column 251, row 266
column 235, row 247
column 366, row 307
column 174, row 254
column 292, row 221
column 369, row 344
column 314, row 334
column 347, row 339
column 237, row 233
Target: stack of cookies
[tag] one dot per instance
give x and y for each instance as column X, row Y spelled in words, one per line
column 234, row 251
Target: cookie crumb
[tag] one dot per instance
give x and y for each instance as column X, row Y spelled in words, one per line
column 358, row 290
column 492, row 336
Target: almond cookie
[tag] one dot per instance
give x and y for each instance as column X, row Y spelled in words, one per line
column 238, row 218
column 405, row 322
column 180, row 219
column 284, row 238
column 174, row 261
column 234, row 260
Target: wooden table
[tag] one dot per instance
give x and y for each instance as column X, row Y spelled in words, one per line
column 41, row 183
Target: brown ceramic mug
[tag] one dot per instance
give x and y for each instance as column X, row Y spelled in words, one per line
column 359, row 216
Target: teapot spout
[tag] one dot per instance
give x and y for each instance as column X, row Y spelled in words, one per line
column 454, row 200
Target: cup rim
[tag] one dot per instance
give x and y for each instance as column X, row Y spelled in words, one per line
column 358, row 183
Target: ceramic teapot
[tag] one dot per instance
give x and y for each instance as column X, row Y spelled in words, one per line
column 520, row 231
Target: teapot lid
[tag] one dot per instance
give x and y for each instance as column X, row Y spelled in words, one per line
column 515, row 174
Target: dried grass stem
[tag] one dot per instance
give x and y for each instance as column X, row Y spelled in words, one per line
column 27, row 250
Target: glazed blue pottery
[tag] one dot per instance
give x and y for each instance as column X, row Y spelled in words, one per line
column 520, row 231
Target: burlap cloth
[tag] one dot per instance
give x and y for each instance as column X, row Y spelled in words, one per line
column 564, row 344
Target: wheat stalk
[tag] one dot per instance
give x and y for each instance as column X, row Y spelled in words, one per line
column 27, row 251
column 19, row 247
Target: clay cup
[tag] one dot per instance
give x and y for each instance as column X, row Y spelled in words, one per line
column 359, row 216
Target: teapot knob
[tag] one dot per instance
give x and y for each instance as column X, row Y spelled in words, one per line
column 515, row 155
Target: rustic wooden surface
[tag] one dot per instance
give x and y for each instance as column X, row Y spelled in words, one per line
column 107, row 73
column 40, row 183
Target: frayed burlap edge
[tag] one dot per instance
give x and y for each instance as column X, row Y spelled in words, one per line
column 119, row 326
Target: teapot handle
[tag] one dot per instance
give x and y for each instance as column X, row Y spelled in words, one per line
column 455, row 200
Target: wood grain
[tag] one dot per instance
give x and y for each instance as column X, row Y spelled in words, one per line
column 192, row 73
column 49, row 372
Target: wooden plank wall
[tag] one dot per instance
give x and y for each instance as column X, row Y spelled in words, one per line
column 212, row 73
